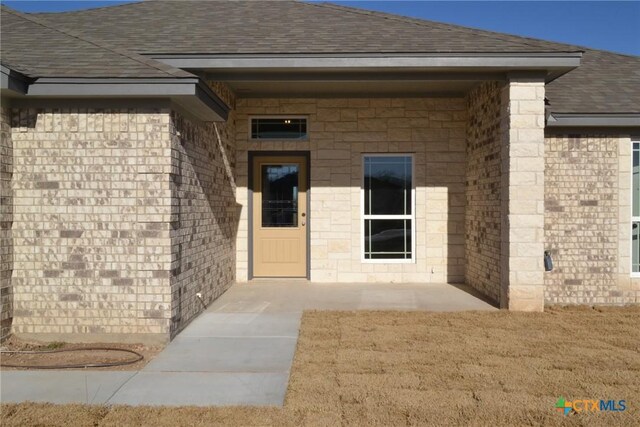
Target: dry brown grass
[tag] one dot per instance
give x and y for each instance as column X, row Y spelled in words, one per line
column 419, row 368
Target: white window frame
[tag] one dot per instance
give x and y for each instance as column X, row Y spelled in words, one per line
column 411, row 217
column 277, row 116
column 634, row 219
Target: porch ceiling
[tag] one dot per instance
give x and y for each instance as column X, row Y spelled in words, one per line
column 399, row 88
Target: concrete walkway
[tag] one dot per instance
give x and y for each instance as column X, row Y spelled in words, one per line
column 238, row 352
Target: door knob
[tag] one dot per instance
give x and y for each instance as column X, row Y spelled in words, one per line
column 303, row 214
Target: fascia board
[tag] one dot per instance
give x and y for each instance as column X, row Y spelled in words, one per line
column 593, row 120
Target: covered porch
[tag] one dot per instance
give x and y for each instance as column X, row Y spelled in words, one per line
column 475, row 143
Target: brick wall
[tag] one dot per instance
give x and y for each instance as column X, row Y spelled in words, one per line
column 6, row 218
column 483, row 190
column 587, row 221
column 340, row 131
column 92, row 207
column 204, row 215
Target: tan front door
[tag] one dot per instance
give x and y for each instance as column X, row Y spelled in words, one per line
column 279, row 216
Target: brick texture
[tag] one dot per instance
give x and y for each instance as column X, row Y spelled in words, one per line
column 340, row 131
column 113, row 220
column 92, row 204
column 204, row 215
column 505, row 193
column 483, row 190
column 587, row 221
column 6, row 219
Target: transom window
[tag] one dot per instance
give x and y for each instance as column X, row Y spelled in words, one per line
column 635, row 209
column 279, row 128
column 388, row 208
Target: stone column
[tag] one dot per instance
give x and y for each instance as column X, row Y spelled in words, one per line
column 522, row 187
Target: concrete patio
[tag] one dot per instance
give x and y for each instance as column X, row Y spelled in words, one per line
column 238, row 352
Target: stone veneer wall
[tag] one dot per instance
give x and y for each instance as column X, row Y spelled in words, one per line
column 483, row 191
column 6, row 219
column 522, row 129
column 204, row 215
column 587, row 221
column 505, row 192
column 340, row 131
column 92, row 200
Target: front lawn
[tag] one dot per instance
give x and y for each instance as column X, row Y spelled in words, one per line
column 421, row 368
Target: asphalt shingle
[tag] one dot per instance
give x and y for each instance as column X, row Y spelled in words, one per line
column 112, row 42
column 35, row 48
column 605, row 82
column 280, row 27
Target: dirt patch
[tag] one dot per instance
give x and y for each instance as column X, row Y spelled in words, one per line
column 417, row 368
column 78, row 356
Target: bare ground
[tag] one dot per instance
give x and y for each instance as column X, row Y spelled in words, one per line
column 75, row 357
column 420, row 368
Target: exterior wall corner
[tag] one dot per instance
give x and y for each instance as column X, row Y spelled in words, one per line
column 522, row 200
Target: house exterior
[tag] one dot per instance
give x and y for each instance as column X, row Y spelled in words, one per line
column 155, row 153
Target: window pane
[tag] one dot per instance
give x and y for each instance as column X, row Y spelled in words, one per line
column 278, row 128
column 280, row 196
column 635, row 247
column 636, row 181
column 387, row 185
column 387, row 239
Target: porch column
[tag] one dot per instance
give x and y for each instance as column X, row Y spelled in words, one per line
column 522, row 188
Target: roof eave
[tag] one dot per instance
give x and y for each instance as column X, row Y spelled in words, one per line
column 435, row 61
column 593, row 120
column 190, row 93
column 12, row 82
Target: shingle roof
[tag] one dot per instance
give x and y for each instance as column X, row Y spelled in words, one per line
column 35, row 48
column 108, row 42
column 280, row 27
column 605, row 82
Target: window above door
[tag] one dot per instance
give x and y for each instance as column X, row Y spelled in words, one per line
column 278, row 128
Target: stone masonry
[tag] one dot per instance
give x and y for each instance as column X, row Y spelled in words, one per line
column 522, row 130
column 505, row 193
column 120, row 217
column 340, row 132
column 587, row 221
column 204, row 216
column 483, row 191
column 91, row 190
column 6, row 219
column 113, row 220
column 113, row 233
